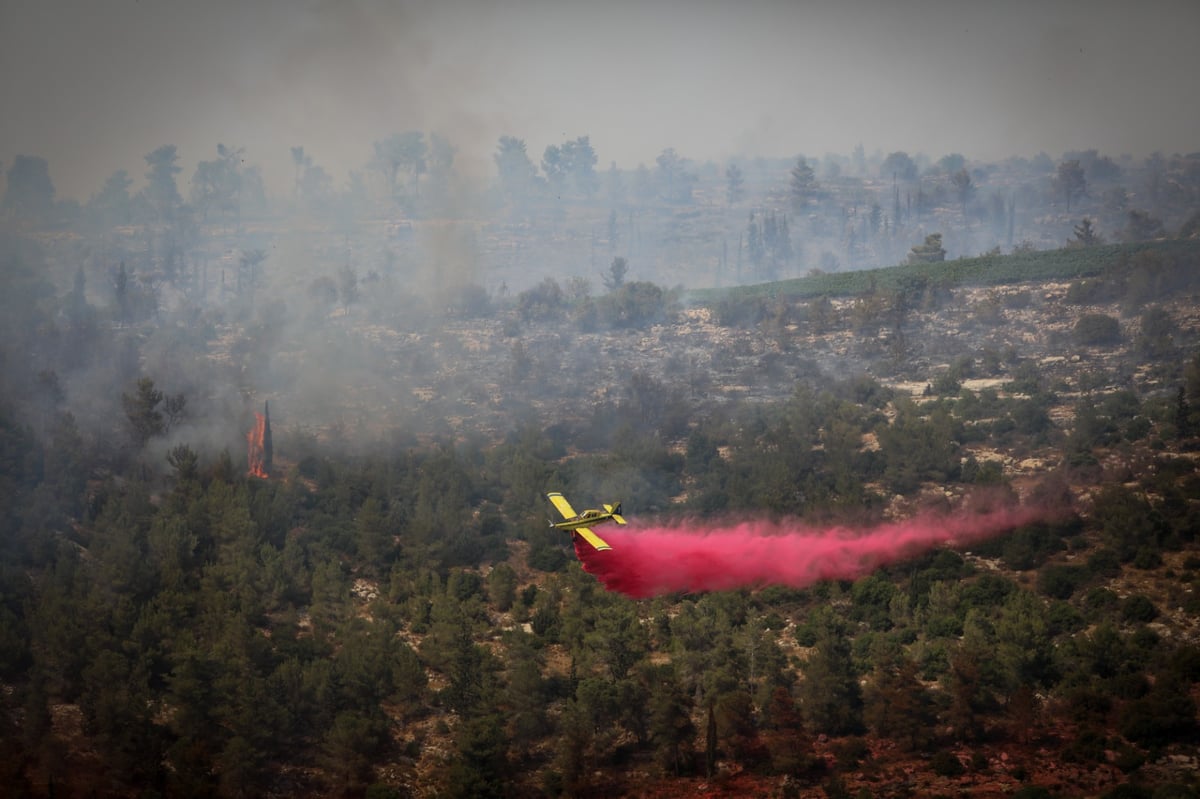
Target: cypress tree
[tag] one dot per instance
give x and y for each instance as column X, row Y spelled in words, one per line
column 267, row 447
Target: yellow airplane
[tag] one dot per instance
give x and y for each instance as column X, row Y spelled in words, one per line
column 581, row 523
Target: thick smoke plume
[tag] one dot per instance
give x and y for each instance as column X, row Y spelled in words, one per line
column 695, row 556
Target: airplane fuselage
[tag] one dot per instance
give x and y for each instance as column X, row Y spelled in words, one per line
column 585, row 519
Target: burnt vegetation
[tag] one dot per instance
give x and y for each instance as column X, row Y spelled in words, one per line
column 378, row 608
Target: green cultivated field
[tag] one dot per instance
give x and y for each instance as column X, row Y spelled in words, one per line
column 1064, row 264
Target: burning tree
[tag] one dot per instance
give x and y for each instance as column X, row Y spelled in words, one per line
column 260, row 451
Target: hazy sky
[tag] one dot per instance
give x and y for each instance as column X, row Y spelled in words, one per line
column 94, row 85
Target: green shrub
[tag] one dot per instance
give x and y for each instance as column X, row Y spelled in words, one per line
column 987, row 591
column 1128, row 791
column 1166, row 714
column 1145, row 640
column 1104, row 563
column 1059, row 581
column 1026, row 547
column 1033, row 792
column 1061, row 617
column 1096, row 329
column 634, row 305
column 946, row 764
column 1147, row 558
column 1100, row 599
column 806, row 635
column 852, row 752
column 1184, row 663
column 1129, row 686
column 1088, row 705
column 1089, row 746
column 1138, row 608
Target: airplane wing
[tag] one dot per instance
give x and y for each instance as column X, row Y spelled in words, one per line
column 596, row 541
column 563, row 506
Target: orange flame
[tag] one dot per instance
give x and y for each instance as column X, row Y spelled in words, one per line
column 254, row 449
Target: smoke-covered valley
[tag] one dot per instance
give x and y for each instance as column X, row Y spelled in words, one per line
column 438, row 306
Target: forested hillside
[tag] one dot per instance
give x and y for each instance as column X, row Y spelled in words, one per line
column 396, row 619
column 864, row 337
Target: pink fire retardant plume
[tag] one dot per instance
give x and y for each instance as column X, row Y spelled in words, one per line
column 692, row 557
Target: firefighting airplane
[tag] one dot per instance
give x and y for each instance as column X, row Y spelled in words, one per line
column 581, row 523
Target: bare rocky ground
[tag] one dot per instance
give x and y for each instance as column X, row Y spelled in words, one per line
column 486, row 375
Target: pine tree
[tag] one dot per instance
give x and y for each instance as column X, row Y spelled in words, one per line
column 141, row 408
column 735, row 188
column 671, row 728
column 1085, row 235
column 710, row 744
column 831, row 697
column 898, row 705
column 803, row 184
column 755, row 242
column 1183, row 423
column 481, row 769
column 929, row 252
column 789, row 746
column 1070, row 181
